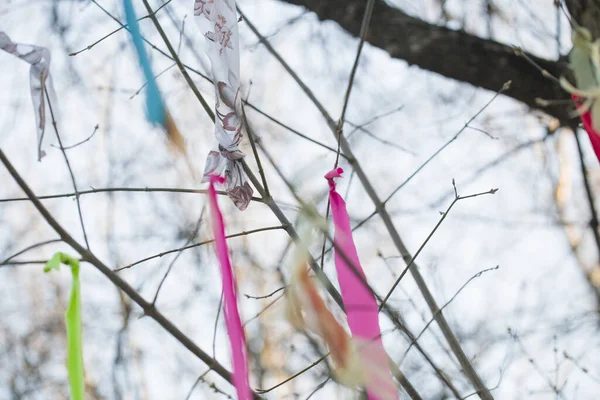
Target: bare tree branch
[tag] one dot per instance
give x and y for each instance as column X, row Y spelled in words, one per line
column 454, row 54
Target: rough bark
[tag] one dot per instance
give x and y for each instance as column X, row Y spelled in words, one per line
column 454, row 54
column 586, row 13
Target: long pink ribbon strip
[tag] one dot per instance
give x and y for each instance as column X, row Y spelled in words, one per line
column 360, row 304
column 235, row 331
column 586, row 118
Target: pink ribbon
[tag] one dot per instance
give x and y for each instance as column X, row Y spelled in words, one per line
column 360, row 304
column 586, row 118
column 218, row 22
column 235, row 331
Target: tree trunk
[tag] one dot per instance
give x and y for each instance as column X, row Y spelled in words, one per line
column 454, row 54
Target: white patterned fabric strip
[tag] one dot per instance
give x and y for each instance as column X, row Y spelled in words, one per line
column 40, row 81
column 217, row 20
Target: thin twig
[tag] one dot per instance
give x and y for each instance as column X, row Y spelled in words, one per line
column 172, row 263
column 340, row 126
column 558, row 28
column 289, row 228
column 26, row 249
column 373, row 119
column 491, row 164
column 477, row 275
column 182, row 68
column 297, row 374
column 588, row 192
column 265, row 309
column 364, row 27
column 23, row 262
column 82, row 142
column 191, row 246
column 289, row 70
column 583, row 369
column 162, row 52
column 505, row 87
column 200, row 378
column 73, row 181
column 265, row 296
column 377, row 138
column 214, row 342
column 155, row 77
column 457, row 198
column 121, row 189
column 535, row 365
column 288, row 128
column 252, row 138
column 89, row 47
column 169, row 67
column 319, row 387
column 519, row 52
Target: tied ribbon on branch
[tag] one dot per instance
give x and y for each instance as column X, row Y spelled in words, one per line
column 584, row 60
column 586, row 118
column 237, row 338
column 306, row 310
column 355, row 363
column 360, row 304
column 40, row 81
column 156, row 111
column 73, row 322
column 218, row 21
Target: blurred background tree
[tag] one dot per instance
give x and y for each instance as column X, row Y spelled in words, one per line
column 426, row 81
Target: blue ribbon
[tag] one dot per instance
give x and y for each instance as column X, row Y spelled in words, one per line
column 155, row 108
